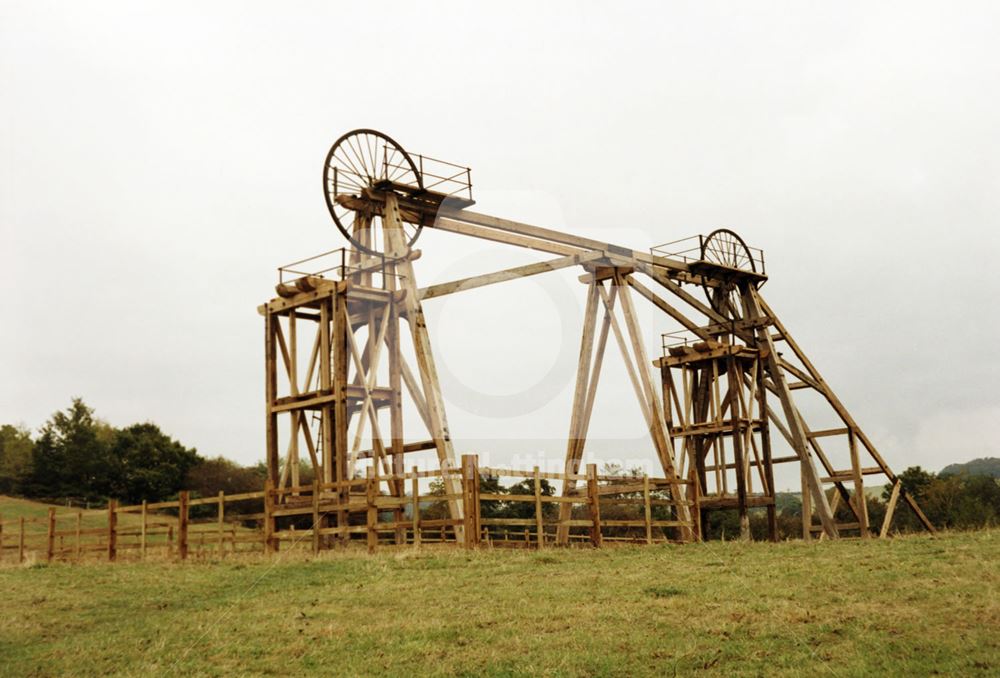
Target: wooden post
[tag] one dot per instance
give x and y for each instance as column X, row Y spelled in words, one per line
column 50, row 540
column 648, row 507
column 222, row 522
column 182, row 524
column 315, row 522
column 79, row 526
column 20, row 543
column 371, row 494
column 1, row 537
column 142, row 531
column 470, row 493
column 539, row 524
column 415, row 510
column 595, row 505
column 269, row 542
column 112, row 530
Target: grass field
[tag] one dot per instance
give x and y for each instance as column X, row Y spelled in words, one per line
column 909, row 606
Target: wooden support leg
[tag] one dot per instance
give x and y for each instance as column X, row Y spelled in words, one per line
column 575, row 442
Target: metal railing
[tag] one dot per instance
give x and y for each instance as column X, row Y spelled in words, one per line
column 690, row 249
column 340, row 264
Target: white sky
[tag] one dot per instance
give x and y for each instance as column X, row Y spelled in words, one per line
column 158, row 163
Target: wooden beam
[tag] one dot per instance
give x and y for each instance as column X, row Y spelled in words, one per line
column 507, row 274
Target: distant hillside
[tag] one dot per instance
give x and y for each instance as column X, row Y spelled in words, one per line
column 987, row 466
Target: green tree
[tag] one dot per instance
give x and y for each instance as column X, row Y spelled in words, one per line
column 15, row 456
column 148, row 464
column 71, row 457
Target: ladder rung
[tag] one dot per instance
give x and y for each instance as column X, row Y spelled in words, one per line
column 828, row 432
column 848, row 475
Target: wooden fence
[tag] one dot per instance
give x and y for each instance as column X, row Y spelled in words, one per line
column 637, row 509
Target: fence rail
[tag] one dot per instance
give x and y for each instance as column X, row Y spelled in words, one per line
column 319, row 515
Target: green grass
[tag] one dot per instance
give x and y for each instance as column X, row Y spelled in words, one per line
column 910, row 606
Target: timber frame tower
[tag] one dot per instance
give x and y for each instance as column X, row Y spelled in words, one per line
column 729, row 372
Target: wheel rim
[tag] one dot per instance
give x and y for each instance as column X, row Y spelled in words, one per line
column 725, row 248
column 366, row 159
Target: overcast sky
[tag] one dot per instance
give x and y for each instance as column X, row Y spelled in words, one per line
column 158, row 164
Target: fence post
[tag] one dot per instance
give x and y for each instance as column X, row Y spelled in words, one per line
column 1, row 537
column 79, row 529
column 50, row 536
column 112, row 530
column 142, row 532
column 648, row 508
column 470, row 492
column 415, row 510
column 696, row 508
column 222, row 523
column 539, row 526
column 595, row 505
column 182, row 525
column 20, row 543
column 269, row 545
column 315, row 507
column 371, row 490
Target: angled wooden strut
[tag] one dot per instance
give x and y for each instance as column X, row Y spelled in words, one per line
column 433, row 399
column 814, row 380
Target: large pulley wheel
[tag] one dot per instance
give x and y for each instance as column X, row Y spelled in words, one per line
column 360, row 165
column 726, row 249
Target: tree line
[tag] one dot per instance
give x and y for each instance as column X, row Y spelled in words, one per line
column 77, row 457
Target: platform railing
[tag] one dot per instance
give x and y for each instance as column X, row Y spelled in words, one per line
column 340, row 264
